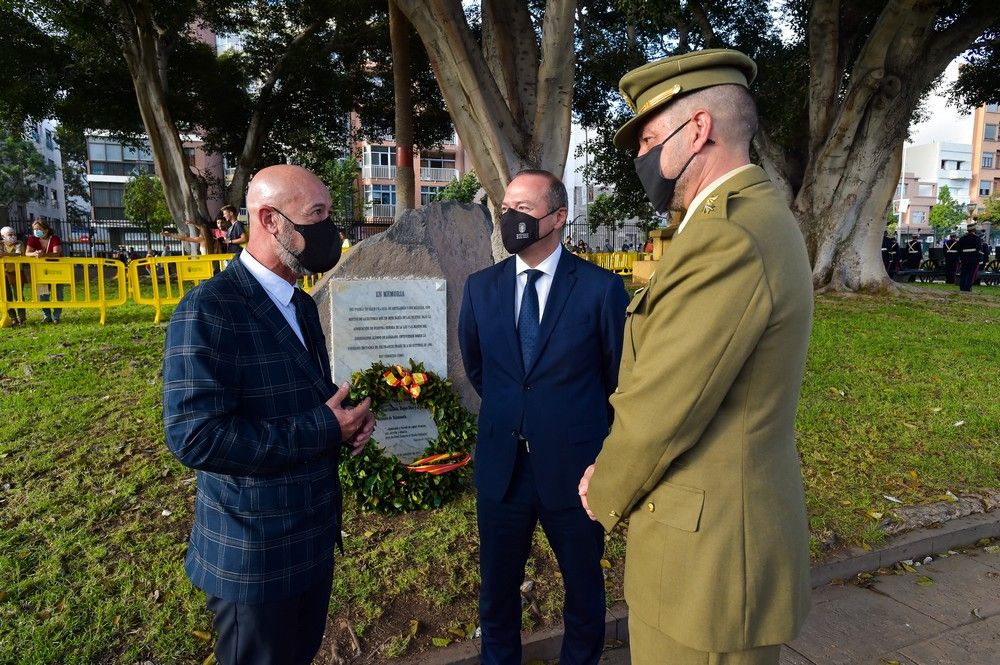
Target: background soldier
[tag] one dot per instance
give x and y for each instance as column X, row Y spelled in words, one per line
column 914, row 253
column 950, row 258
column 969, row 247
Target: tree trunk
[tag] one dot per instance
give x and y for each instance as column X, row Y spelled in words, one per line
column 143, row 53
column 858, row 121
column 510, row 100
column 399, row 37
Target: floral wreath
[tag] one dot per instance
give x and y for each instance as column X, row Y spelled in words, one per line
column 380, row 482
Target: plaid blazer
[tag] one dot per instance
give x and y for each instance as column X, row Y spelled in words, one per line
column 244, row 405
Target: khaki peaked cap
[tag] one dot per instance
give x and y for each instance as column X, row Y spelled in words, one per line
column 650, row 87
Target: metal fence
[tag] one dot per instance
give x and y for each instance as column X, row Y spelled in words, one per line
column 605, row 239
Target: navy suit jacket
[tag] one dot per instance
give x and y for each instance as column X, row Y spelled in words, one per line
column 559, row 403
column 244, row 404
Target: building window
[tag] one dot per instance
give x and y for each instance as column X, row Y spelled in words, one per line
column 55, row 198
column 918, row 216
column 984, row 187
column 438, row 162
column 49, row 143
column 992, row 107
column 988, row 160
column 925, row 189
column 34, row 134
column 380, row 155
column 106, row 199
column 381, row 194
column 427, row 194
column 990, row 133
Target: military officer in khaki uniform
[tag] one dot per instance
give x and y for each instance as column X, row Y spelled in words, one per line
column 701, row 457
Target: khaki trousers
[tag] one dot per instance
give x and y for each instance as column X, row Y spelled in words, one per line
column 650, row 646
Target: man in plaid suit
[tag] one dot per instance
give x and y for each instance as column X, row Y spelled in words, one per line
column 248, row 401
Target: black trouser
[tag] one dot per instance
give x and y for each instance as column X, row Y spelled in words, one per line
column 968, row 274
column 284, row 632
column 950, row 268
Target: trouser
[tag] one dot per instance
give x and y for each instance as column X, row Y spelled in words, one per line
column 950, row 268
column 55, row 313
column 650, row 646
column 968, row 275
column 285, row 632
column 505, row 532
column 14, row 314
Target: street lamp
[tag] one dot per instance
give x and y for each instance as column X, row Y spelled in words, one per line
column 971, row 207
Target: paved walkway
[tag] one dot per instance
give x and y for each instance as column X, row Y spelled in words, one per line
column 945, row 613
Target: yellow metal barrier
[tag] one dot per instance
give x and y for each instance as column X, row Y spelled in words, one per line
column 57, row 276
column 617, row 262
column 168, row 278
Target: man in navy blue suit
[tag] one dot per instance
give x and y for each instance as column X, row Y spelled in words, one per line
column 248, row 401
column 541, row 336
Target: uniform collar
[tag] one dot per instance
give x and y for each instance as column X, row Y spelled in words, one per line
column 702, row 196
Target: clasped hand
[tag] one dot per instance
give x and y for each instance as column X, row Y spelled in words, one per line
column 356, row 422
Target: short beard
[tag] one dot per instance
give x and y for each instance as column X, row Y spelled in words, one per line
column 285, row 257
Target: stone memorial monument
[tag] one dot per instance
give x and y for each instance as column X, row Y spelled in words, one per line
column 437, row 242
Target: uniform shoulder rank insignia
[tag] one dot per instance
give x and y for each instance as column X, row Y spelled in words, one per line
column 709, row 204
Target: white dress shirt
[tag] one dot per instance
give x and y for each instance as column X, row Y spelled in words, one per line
column 703, row 194
column 276, row 288
column 542, row 284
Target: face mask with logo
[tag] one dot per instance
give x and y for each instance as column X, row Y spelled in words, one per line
column 660, row 190
column 322, row 244
column 519, row 230
column 39, row 233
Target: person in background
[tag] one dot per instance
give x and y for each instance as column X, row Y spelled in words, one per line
column 969, row 254
column 886, row 246
column 11, row 246
column 648, row 247
column 236, row 235
column 345, row 242
column 43, row 243
column 914, row 253
column 950, row 246
column 540, row 335
column 206, row 243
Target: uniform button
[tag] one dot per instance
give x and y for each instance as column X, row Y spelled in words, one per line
column 650, row 507
column 527, row 387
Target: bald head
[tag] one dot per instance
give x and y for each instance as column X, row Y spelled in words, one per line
column 280, row 196
column 284, row 186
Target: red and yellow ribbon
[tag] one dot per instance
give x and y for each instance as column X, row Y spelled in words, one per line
column 441, row 463
column 409, row 382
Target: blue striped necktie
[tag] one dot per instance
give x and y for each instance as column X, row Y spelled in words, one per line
column 527, row 319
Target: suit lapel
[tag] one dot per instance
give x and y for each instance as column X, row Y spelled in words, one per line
column 260, row 305
column 508, row 319
column 562, row 286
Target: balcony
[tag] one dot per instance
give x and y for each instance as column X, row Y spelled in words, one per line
column 379, row 171
column 954, row 174
column 429, row 174
column 385, row 210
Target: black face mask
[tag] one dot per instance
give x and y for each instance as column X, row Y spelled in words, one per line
column 659, row 190
column 518, row 230
column 322, row 244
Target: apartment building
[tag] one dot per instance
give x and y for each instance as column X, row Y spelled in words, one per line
column 51, row 202
column 433, row 170
column 985, row 153
column 912, row 203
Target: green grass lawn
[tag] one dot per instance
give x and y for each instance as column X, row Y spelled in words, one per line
column 94, row 512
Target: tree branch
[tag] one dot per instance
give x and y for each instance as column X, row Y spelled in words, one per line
column 512, row 53
column 824, row 73
column 704, row 24
column 551, row 131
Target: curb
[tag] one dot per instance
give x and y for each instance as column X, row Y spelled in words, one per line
column 919, row 543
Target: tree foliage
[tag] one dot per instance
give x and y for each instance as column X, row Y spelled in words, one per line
column 947, row 213
column 462, row 189
column 22, row 170
column 991, row 211
column 145, row 203
column 341, row 177
column 285, row 94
